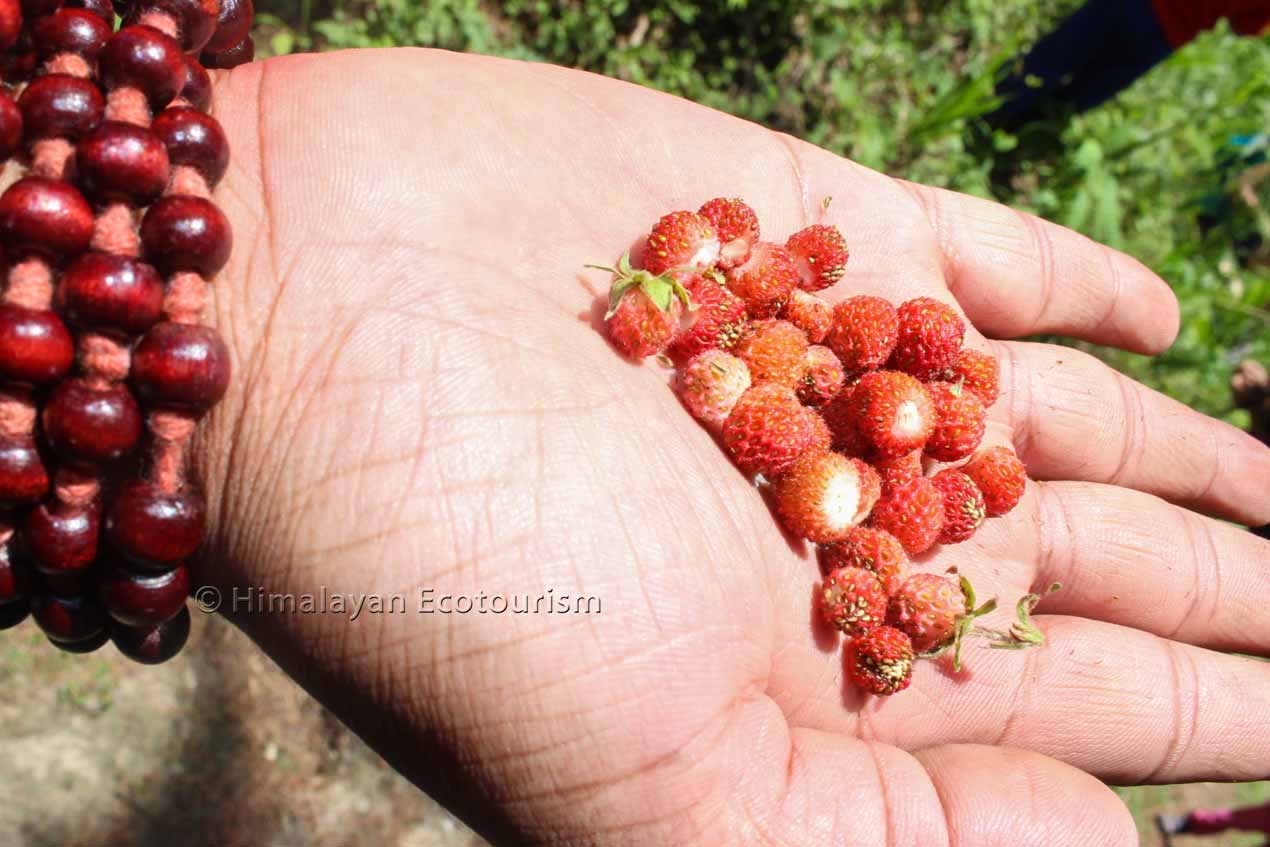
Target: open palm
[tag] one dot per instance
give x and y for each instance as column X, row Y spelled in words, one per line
column 424, row 399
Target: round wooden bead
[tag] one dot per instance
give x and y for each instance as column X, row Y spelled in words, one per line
column 139, row 599
column 62, row 538
column 77, row 31
column 14, row 613
column 45, row 216
column 240, row 54
column 152, row 645
column 181, row 366
column 69, row 619
column 142, row 57
column 198, row 84
column 35, row 346
column 16, row 577
column 101, row 8
column 122, row 162
column 60, row 106
column 195, row 19
column 110, row 293
column 91, row 425
column 195, row 140
column 233, row 23
column 153, row 528
column 10, row 126
column 184, row 233
column 23, row 477
column 10, row 23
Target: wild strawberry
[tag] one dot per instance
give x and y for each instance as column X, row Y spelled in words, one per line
column 715, row 320
column 809, row 313
column 872, row 549
column 852, row 600
column 822, row 495
column 821, row 438
column 959, row 422
column 767, row 430
column 892, row 413
column 929, row 339
column 903, row 467
column 881, row 661
column 1000, row 476
column 913, row 511
column 710, row 385
column 838, row 415
column 644, row 309
column 765, row 280
column 864, row 332
column 964, row 510
column 774, row 350
column 820, row 254
column 681, row 240
column 926, row 609
column 822, row 376
column 737, row 228
column 977, row 372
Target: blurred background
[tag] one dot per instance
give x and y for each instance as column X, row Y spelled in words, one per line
column 219, row 748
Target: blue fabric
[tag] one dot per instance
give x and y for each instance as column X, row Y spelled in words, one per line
column 1092, row 56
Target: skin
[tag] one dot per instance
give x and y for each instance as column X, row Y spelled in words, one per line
column 424, row 398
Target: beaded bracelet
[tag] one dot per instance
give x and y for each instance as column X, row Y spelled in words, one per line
column 105, row 369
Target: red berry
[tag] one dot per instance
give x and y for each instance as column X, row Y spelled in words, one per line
column 913, row 511
column 838, row 416
column 809, row 313
column 766, row 280
column 864, row 332
column 929, row 338
column 710, row 386
column 853, row 601
column 872, row 549
column 964, row 510
column 899, row 468
column 1000, row 476
column 977, row 372
column 774, row 350
column 821, row 438
column 820, row 254
column 892, row 412
column 767, row 430
column 681, row 240
column 644, row 309
column 926, row 609
column 822, row 495
column 881, row 661
column 737, row 228
column 716, row 319
column 822, row 377
column 959, row 422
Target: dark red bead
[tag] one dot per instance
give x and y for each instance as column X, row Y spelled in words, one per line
column 88, row 645
column 122, row 162
column 14, row 613
column 68, row 619
column 91, row 425
column 10, row 125
column 16, row 577
column 240, row 54
column 198, row 84
column 35, row 9
column 181, row 366
column 142, row 57
column 195, row 140
column 10, row 23
column 101, row 8
column 152, row 645
column 77, row 31
column 233, row 23
column 60, row 106
column 45, row 216
column 184, row 233
column 61, row 538
column 23, row 477
column 153, row 528
column 35, row 346
column 195, row 19
column 144, row 599
column 110, row 293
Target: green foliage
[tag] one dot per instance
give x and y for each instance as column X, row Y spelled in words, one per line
column 897, row 85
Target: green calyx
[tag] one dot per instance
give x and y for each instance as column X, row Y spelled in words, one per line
column 1023, row 633
column 660, row 289
column 964, row 625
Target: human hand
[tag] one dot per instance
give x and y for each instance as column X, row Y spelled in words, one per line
column 424, row 398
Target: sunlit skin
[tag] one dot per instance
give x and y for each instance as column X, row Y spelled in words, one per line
column 424, row 398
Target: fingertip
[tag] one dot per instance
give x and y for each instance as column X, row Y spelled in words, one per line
column 1159, row 333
